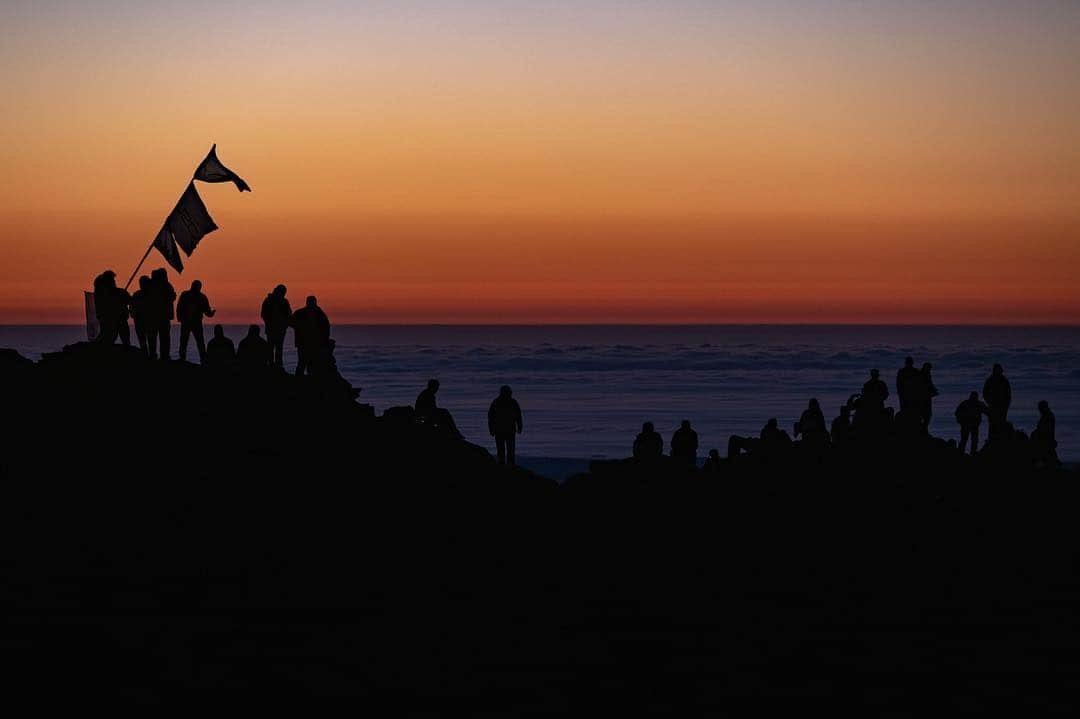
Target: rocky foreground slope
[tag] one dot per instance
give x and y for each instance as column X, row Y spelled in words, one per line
column 174, row 534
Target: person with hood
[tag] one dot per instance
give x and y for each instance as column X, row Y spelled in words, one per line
column 220, row 352
column 311, row 332
column 192, row 306
column 254, row 352
column 1044, row 436
column 504, row 424
column 811, row 424
column 684, row 444
column 648, row 444
column 276, row 313
column 162, row 311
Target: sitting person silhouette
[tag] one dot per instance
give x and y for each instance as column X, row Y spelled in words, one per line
column 648, row 444
column 254, row 352
column 684, row 445
column 219, row 351
column 841, row 426
column 504, row 424
column 969, row 416
column 712, row 462
column 811, row 425
column 1044, row 437
column 428, row 411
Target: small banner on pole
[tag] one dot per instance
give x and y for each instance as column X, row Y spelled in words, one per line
column 93, row 329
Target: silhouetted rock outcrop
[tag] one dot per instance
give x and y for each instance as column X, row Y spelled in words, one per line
column 178, row 531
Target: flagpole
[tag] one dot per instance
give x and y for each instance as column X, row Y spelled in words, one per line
column 136, row 270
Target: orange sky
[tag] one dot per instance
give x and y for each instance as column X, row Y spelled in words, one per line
column 468, row 161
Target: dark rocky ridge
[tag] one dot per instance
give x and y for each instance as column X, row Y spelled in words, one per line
column 175, row 533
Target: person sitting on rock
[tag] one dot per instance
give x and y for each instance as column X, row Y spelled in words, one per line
column 684, row 444
column 428, row 411
column 969, row 415
column 220, row 351
column 811, row 425
column 504, row 424
column 841, row 426
column 712, row 462
column 1044, row 437
column 254, row 352
column 648, row 444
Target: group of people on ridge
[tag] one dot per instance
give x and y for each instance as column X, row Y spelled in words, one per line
column 154, row 306
column 865, row 414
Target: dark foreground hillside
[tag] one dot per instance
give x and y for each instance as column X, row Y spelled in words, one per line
column 174, row 534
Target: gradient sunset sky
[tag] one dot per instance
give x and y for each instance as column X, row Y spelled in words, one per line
column 579, row 161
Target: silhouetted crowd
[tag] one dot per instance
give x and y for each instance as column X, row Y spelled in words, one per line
column 155, row 306
column 864, row 420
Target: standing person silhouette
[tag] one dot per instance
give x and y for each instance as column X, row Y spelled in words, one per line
column 997, row 393
column 969, row 416
column 906, row 378
column 140, row 312
column 192, row 306
column 163, row 295
column 927, row 392
column 874, row 394
column 276, row 313
column 1044, row 436
column 311, row 331
column 504, row 424
column 111, row 304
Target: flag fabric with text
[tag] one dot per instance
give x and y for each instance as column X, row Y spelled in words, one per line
column 189, row 221
column 211, row 170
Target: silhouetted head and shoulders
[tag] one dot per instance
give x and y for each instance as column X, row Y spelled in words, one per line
column 970, row 411
column 310, row 324
column 254, row 350
column 648, row 444
column 220, row 349
column 193, row 305
column 275, row 308
column 996, row 390
column 425, row 401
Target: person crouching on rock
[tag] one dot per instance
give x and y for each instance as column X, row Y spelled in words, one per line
column 428, row 411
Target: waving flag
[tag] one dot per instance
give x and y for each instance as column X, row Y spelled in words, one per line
column 189, row 221
column 211, row 170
